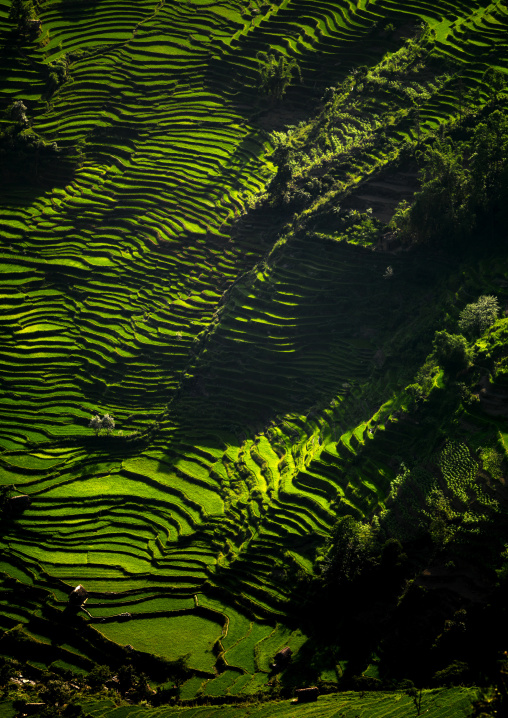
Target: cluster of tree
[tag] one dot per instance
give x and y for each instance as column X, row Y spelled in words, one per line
column 24, row 155
column 24, row 18
column 464, row 188
column 59, row 691
column 289, row 193
column 322, row 153
column 367, row 599
column 349, row 547
column 57, row 73
column 100, row 424
column 5, row 492
column 276, row 73
column 359, row 227
column 453, row 351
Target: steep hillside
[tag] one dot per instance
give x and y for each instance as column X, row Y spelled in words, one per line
column 268, row 239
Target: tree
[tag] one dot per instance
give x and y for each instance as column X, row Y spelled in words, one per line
column 348, row 550
column 98, row 676
column 416, row 695
column 400, row 223
column 440, row 210
column 276, row 73
column 452, row 351
column 488, row 164
column 17, row 113
column 7, row 671
column 95, row 423
column 495, row 82
column 478, row 316
column 4, row 495
column 282, row 158
column 107, row 422
column 20, row 13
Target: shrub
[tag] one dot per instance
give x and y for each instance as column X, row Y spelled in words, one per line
column 452, row 350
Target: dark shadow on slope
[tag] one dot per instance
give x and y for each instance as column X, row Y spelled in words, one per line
column 308, row 328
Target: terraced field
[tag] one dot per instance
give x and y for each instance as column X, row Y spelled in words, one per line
column 244, row 363
column 443, row 703
column 454, row 702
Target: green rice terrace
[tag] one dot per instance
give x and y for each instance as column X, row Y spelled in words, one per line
column 254, row 357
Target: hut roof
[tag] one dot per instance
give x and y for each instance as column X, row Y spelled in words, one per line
column 307, row 694
column 78, row 595
column 284, row 654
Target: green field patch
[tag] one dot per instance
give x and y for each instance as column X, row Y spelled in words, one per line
column 137, row 606
column 169, row 637
column 207, row 498
column 192, row 468
column 114, row 487
column 240, row 683
column 45, row 327
column 437, row 702
column 238, row 625
column 50, row 556
column 221, row 685
column 191, row 687
column 281, row 637
column 15, row 571
column 242, row 654
column 37, row 462
column 129, row 246
column 117, row 559
column 257, row 684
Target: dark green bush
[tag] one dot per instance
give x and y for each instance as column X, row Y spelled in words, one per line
column 452, row 351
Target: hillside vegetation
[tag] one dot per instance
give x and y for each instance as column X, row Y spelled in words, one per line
column 254, row 364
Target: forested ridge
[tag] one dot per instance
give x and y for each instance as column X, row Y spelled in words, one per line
column 254, row 378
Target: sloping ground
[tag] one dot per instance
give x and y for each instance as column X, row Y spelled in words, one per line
column 443, row 703
column 126, row 291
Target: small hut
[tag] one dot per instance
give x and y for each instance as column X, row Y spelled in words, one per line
column 306, row 695
column 282, row 658
column 78, row 596
column 34, row 25
column 19, row 503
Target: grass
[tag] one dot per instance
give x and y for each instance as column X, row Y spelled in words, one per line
column 170, row 638
column 242, row 654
